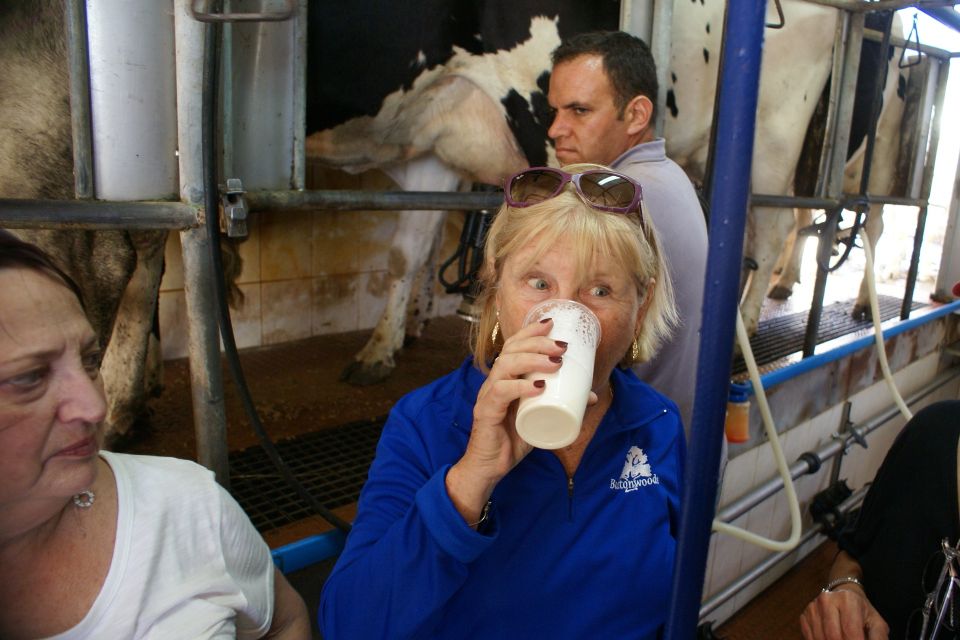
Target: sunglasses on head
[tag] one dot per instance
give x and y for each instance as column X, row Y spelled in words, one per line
column 600, row 188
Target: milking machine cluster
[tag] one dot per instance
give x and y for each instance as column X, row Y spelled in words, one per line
column 468, row 258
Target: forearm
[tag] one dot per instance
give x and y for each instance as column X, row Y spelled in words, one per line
column 290, row 618
column 468, row 491
column 391, row 564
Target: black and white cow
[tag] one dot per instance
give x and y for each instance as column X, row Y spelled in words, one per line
column 436, row 94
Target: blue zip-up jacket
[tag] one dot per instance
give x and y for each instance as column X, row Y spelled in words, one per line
column 583, row 557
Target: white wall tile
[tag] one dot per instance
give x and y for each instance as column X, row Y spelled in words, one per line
column 727, row 557
column 738, row 477
column 286, row 310
column 246, row 320
column 334, row 303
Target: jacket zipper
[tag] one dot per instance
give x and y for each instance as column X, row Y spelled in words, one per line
column 570, row 497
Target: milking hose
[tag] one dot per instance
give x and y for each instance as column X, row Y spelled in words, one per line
column 211, row 65
column 869, row 274
column 793, row 504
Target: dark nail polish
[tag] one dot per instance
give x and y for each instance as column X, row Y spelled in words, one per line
column 561, row 344
column 545, row 320
column 556, row 359
column 539, row 384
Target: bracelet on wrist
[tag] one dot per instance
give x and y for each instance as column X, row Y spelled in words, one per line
column 833, row 584
column 484, row 515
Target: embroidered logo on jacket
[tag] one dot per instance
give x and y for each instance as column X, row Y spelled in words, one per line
column 636, row 472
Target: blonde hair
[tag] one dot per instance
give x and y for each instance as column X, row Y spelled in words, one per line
column 623, row 238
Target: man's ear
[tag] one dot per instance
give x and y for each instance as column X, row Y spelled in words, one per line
column 638, row 114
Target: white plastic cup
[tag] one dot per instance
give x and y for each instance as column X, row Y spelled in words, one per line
column 552, row 419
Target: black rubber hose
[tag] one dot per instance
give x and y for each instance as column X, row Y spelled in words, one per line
column 211, row 202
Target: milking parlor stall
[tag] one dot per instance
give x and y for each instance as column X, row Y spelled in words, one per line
column 296, row 197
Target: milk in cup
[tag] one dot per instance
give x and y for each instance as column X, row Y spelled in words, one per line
column 552, row 419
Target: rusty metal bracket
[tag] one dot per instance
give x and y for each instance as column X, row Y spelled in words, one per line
column 200, row 10
column 234, row 217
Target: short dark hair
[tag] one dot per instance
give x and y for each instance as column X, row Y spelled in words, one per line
column 17, row 254
column 626, row 59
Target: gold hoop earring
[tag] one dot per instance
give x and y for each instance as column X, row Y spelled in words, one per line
column 495, row 333
column 635, row 350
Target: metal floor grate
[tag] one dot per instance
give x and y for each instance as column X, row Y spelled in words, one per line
column 781, row 336
column 332, row 464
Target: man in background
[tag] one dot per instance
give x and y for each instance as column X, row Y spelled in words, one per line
column 603, row 89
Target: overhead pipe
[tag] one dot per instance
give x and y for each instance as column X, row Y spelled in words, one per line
column 86, row 214
column 79, row 62
column 738, row 96
column 946, row 16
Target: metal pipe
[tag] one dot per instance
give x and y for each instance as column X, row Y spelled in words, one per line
column 830, row 450
column 299, row 177
column 739, row 90
column 934, row 145
column 87, row 214
column 660, row 45
column 132, row 84
column 834, row 179
column 206, row 376
column 921, row 128
column 356, row 200
column 18, row 213
column 946, row 15
column 833, row 103
column 772, row 560
column 79, row 61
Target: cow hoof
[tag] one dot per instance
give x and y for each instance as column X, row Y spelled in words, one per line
column 861, row 312
column 361, row 374
column 779, row 292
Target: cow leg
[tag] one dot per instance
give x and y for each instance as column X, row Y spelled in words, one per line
column 124, row 363
column 766, row 229
column 415, row 230
column 872, row 229
column 791, row 258
column 412, row 242
column 420, row 308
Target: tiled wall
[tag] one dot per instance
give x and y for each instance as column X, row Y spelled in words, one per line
column 729, row 557
column 305, row 273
